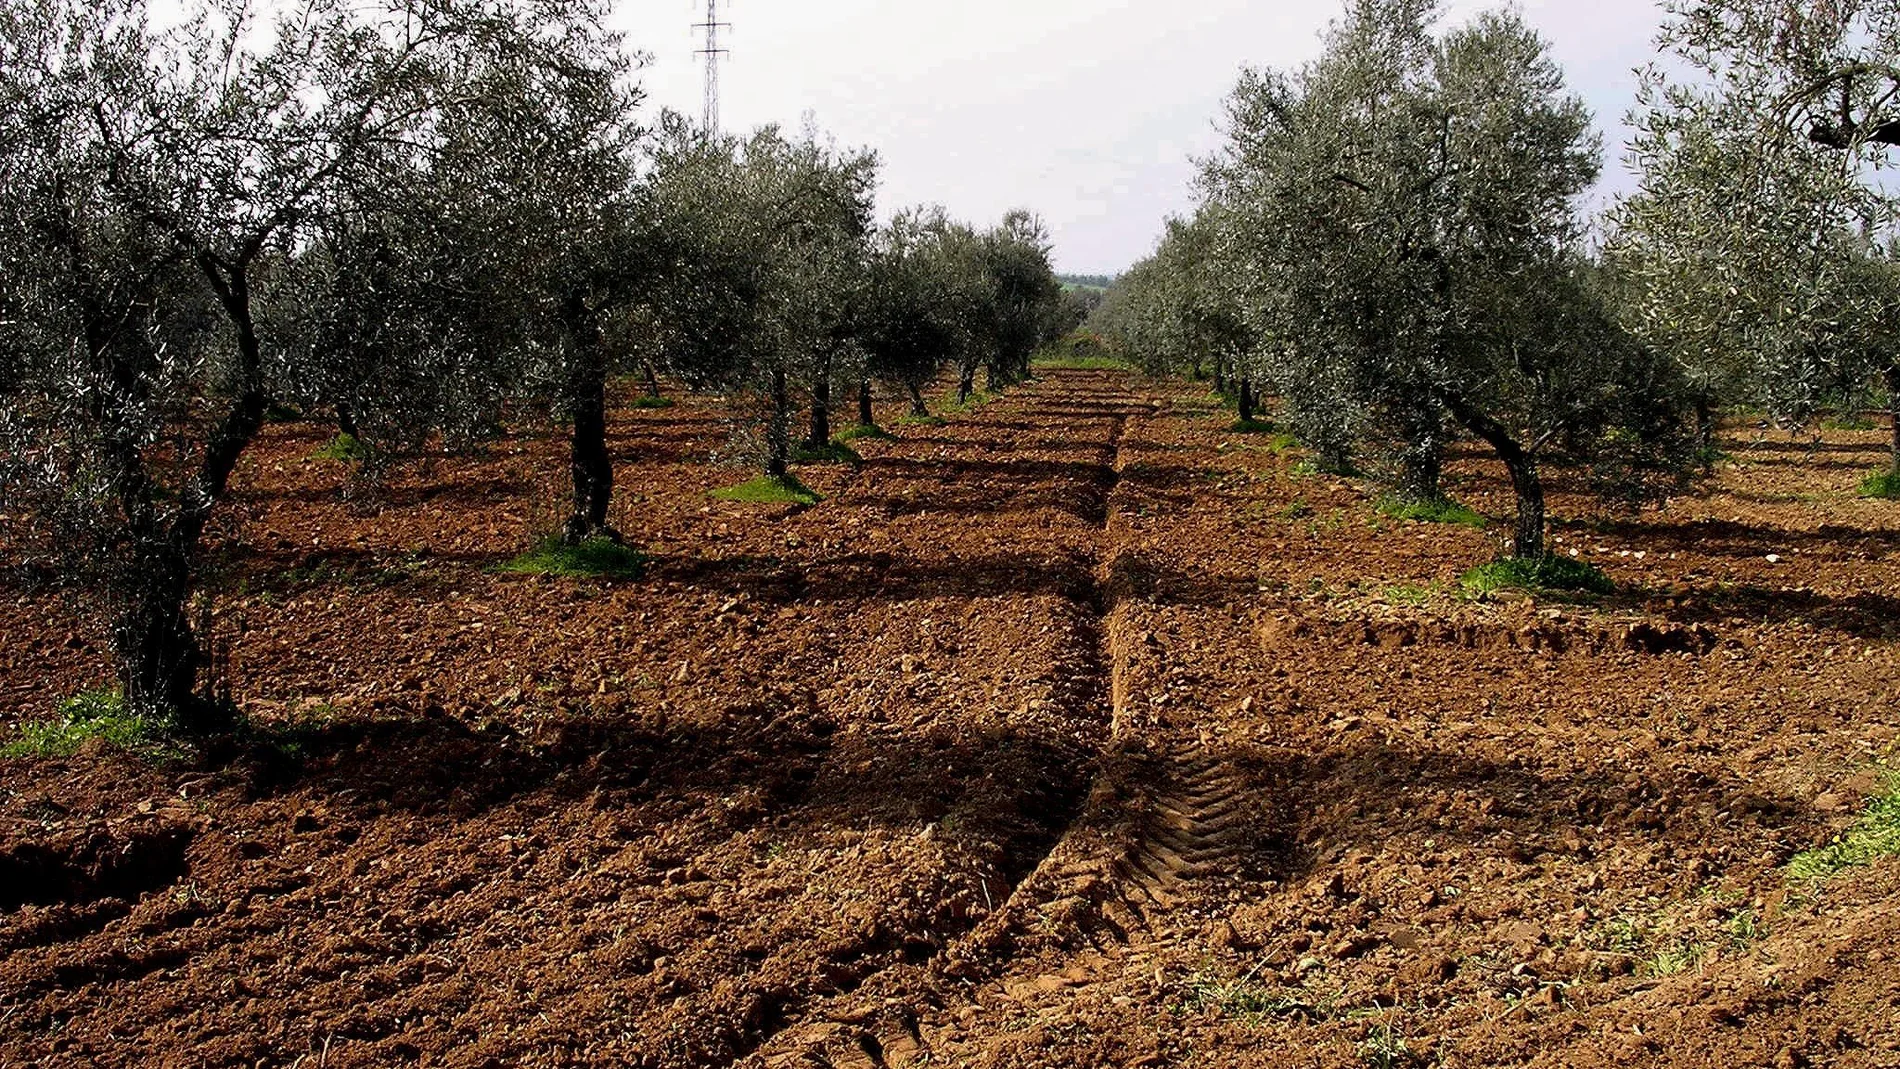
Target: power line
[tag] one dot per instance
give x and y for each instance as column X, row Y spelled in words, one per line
column 712, row 52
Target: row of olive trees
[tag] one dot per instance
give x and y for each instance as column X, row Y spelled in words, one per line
column 1391, row 241
column 416, row 218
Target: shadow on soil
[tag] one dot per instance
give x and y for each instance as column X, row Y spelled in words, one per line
column 1360, row 793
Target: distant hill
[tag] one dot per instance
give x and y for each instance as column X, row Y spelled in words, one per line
column 1086, row 282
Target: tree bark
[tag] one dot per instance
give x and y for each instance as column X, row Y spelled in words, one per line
column 1893, row 411
column 1705, row 431
column 1220, row 375
column 157, row 652
column 346, row 420
column 152, row 638
column 966, row 383
column 591, row 467
column 1422, row 461
column 865, row 417
column 1527, row 533
column 653, row 380
column 917, row 406
column 778, row 432
column 820, row 409
column 1246, row 400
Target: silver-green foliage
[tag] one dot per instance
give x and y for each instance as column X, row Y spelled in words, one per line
column 1407, row 226
column 1754, row 244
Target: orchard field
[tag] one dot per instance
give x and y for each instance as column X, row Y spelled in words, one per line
column 1078, row 730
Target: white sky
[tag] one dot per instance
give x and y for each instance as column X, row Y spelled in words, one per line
column 1084, row 111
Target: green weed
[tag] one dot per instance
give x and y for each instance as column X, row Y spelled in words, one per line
column 863, row 431
column 914, row 420
column 1252, row 426
column 977, row 399
column 767, row 490
column 1247, row 1000
column 649, row 401
column 1853, row 422
column 1548, row 573
column 1882, row 484
column 1385, row 1048
column 1443, row 510
column 1744, row 928
column 344, row 448
column 1874, row 836
column 95, row 714
column 595, row 558
column 1412, row 594
column 1675, row 958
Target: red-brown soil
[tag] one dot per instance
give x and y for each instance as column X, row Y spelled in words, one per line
column 1076, row 732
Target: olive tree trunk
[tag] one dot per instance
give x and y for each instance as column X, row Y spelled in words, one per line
column 865, row 417
column 778, row 431
column 1527, row 532
column 1422, row 460
column 1893, row 411
column 586, row 387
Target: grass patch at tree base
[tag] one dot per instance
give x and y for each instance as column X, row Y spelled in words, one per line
column 1441, row 510
column 914, row 420
column 1547, row 573
column 832, row 452
column 863, row 432
column 977, row 399
column 1098, row 362
column 1252, row 426
column 647, row 400
column 344, row 448
column 95, row 714
column 1884, row 485
column 1874, row 836
column 596, row 558
column 767, row 490
column 1849, row 423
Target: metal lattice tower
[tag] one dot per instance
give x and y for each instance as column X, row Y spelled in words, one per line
column 712, row 52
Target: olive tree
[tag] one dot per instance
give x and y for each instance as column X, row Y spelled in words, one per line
column 926, row 286
column 1409, row 202
column 1753, row 242
column 1022, row 309
column 1179, row 312
column 161, row 186
column 796, row 216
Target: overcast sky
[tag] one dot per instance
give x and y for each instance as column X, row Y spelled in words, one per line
column 1086, row 111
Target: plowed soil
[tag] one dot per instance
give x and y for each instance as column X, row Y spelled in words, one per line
column 1079, row 731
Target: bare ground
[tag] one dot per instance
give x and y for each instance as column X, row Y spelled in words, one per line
column 1079, row 731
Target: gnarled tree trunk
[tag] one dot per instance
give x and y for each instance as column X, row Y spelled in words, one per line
column 820, row 435
column 1422, row 460
column 1246, row 400
column 778, row 432
column 865, row 417
column 591, row 467
column 1893, row 411
column 1527, row 532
